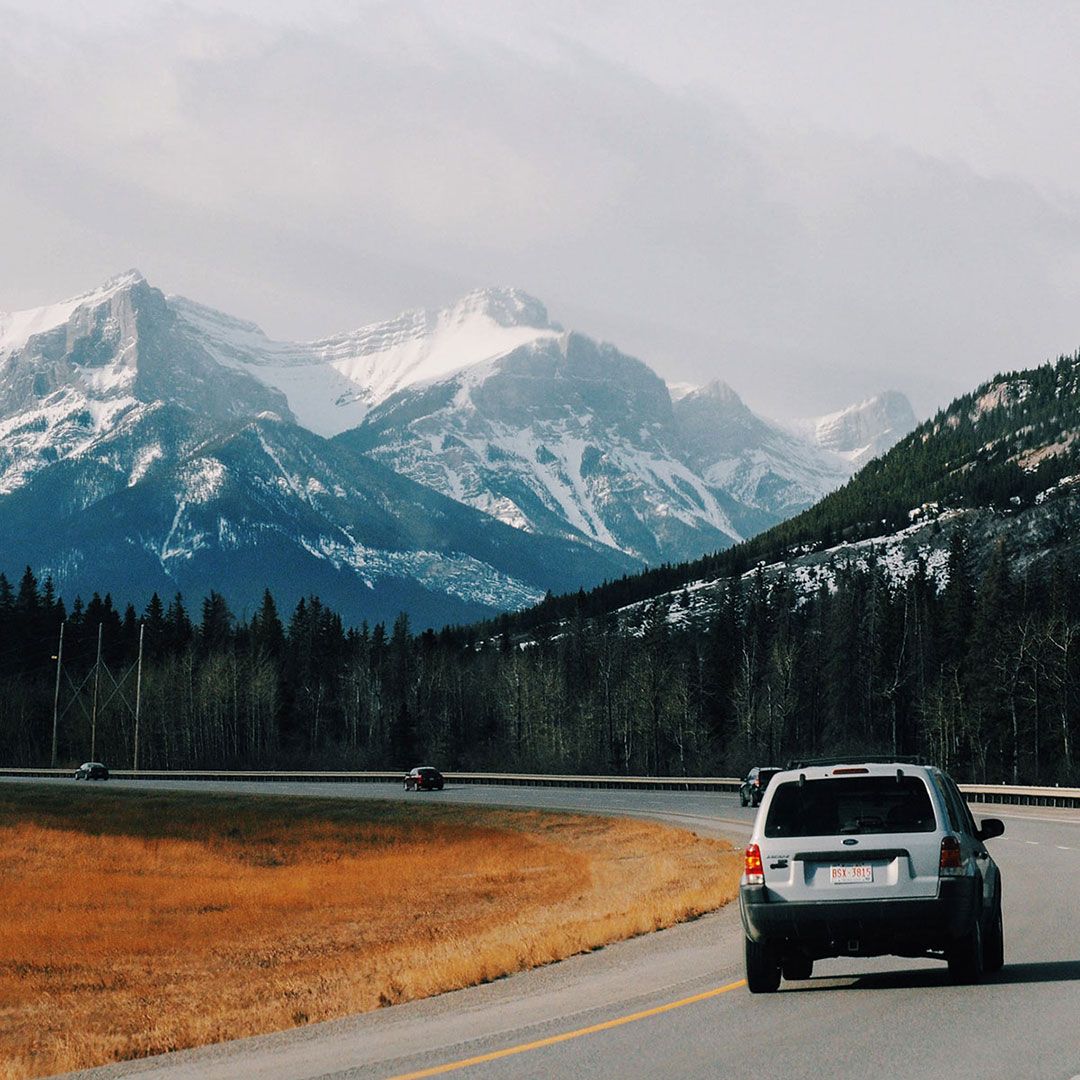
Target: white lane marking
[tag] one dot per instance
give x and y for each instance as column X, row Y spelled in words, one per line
column 1062, row 847
column 1033, row 843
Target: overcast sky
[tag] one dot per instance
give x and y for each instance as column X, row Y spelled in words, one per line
column 811, row 201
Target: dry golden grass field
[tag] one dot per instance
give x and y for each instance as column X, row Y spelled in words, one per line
column 139, row 922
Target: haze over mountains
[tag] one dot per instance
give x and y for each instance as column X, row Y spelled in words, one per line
column 448, row 463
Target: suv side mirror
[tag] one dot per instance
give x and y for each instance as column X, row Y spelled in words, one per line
column 990, row 827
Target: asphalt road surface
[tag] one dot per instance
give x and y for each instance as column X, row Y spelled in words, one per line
column 672, row 1004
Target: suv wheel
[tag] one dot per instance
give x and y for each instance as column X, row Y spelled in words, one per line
column 797, row 966
column 994, row 949
column 742, row 798
column 966, row 958
column 762, row 968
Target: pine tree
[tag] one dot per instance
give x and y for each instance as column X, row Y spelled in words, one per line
column 154, row 623
column 27, row 599
column 215, row 631
column 268, row 633
column 178, row 629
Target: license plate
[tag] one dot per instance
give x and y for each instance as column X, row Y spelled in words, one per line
column 853, row 874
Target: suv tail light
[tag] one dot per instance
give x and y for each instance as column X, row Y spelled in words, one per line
column 753, row 871
column 951, row 863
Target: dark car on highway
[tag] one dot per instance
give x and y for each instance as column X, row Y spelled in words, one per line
column 91, row 770
column 424, row 778
column 753, row 787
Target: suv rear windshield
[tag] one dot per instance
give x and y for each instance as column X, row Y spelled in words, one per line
column 833, row 807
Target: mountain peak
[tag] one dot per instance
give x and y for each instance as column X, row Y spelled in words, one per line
column 719, row 391
column 504, row 306
column 121, row 281
column 716, row 399
column 18, row 327
column 863, row 430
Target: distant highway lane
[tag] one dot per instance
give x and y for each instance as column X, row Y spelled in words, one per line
column 672, row 1004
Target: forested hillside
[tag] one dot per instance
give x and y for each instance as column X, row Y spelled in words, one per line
column 970, row 656
column 983, row 677
column 1000, row 447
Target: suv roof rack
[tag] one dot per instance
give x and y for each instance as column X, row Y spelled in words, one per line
column 857, row 759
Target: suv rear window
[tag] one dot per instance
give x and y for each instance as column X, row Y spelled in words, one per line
column 834, row 807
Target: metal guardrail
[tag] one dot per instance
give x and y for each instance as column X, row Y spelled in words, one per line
column 1021, row 796
column 980, row 793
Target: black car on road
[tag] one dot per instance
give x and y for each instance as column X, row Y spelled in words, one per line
column 91, row 770
column 424, row 778
column 753, row 787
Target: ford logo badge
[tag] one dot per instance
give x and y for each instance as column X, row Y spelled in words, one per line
column 849, row 840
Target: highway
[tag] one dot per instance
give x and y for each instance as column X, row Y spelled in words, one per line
column 672, row 1004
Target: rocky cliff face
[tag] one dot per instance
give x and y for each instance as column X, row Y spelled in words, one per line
column 756, row 461
column 862, row 431
column 562, row 436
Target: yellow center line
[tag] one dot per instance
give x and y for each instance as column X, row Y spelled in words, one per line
column 551, row 1040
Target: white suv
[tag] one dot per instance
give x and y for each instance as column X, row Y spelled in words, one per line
column 867, row 859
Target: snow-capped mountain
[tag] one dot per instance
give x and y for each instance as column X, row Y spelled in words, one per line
column 71, row 372
column 133, row 459
column 678, row 483
column 332, row 384
column 147, row 441
column 264, row 502
column 561, row 436
column 862, row 431
column 756, row 461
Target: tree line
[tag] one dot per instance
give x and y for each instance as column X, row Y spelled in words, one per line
column 981, row 676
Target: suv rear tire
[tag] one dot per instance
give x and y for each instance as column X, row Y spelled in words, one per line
column 994, row 948
column 966, row 957
column 762, row 968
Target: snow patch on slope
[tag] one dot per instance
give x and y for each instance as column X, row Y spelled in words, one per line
column 331, row 384
column 65, row 424
column 18, row 327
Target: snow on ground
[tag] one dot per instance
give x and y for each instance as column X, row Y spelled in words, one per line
column 146, row 457
column 1064, row 482
column 898, row 554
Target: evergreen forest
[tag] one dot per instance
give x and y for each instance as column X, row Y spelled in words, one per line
column 981, row 676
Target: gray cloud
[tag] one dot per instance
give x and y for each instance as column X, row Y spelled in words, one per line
column 318, row 170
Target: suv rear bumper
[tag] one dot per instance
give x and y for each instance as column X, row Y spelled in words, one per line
column 862, row 927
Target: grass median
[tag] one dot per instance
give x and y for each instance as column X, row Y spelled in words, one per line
column 140, row 922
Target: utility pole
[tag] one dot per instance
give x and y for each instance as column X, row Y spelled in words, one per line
column 138, row 698
column 56, row 694
column 93, row 712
